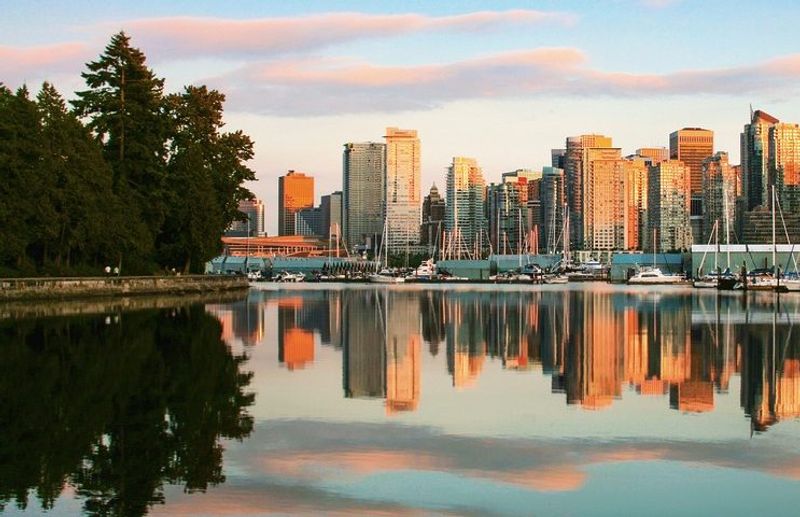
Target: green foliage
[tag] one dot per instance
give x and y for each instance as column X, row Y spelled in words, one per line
column 129, row 177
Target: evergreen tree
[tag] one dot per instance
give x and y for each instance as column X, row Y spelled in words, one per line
column 124, row 108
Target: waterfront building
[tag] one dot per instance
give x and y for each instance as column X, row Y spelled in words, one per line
column 331, row 206
column 784, row 164
column 719, row 194
column 513, row 210
column 604, row 199
column 575, row 170
column 754, row 146
column 309, row 221
column 253, row 225
column 295, row 192
column 464, row 214
column 433, row 214
column 636, row 171
column 668, row 200
column 552, row 201
column 363, row 191
column 757, row 227
column 402, row 198
column 692, row 145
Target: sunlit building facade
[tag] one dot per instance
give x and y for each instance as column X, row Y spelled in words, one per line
column 403, row 199
column 719, row 196
column 465, row 221
column 604, row 199
column 754, row 147
column 575, row 172
column 295, row 192
column 784, row 164
column 668, row 206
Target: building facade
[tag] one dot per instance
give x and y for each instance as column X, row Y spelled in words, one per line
column 575, row 171
column 295, row 192
column 636, row 174
column 719, row 196
column 402, row 199
column 253, row 225
column 331, row 206
column 552, row 202
column 433, row 213
column 308, row 221
column 784, row 164
column 754, row 147
column 692, row 145
column 465, row 221
column 604, row 214
column 668, row 201
column 363, row 191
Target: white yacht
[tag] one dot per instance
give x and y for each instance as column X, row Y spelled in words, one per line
column 654, row 276
column 384, row 276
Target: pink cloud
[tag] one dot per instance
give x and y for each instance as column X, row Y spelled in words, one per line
column 330, row 86
column 21, row 64
column 193, row 36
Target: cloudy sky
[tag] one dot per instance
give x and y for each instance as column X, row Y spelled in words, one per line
column 502, row 82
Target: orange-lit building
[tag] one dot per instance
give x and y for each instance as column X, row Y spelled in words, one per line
column 295, row 192
column 288, row 245
column 297, row 348
column 692, row 145
column 604, row 200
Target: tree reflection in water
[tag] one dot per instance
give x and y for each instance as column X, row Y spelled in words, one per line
column 117, row 407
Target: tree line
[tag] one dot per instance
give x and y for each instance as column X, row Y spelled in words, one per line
column 126, row 176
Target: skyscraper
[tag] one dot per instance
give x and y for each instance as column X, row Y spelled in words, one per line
column 692, row 145
column 466, row 194
column 668, row 206
column 402, row 208
column 364, row 188
column 784, row 164
column 654, row 154
column 754, row 146
column 295, row 191
column 551, row 200
column 604, row 199
column 719, row 195
column 433, row 212
column 331, row 206
column 575, row 169
column 636, row 201
column 253, row 209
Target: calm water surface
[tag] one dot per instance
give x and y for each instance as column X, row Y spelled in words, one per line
column 479, row 400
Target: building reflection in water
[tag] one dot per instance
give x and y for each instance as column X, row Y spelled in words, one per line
column 682, row 346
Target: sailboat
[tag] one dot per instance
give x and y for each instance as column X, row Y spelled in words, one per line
column 559, row 277
column 385, row 275
column 709, row 280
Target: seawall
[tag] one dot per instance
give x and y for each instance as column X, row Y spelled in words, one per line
column 85, row 287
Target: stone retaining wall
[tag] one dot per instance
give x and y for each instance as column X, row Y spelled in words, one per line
column 58, row 288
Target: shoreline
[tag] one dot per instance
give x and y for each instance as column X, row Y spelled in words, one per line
column 20, row 289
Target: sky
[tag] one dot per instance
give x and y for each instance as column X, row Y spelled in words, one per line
column 502, row 81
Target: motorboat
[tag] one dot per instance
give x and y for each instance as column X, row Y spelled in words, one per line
column 590, row 270
column 654, row 276
column 285, row 276
column 255, row 276
column 555, row 279
column 386, row 276
column 425, row 271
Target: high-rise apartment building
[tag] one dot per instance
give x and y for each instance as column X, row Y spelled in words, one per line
column 403, row 199
column 308, row 221
column 668, row 201
column 719, row 196
column 433, row 213
column 636, row 171
column 754, row 146
column 363, row 191
column 575, row 171
column 604, row 199
column 331, row 206
column 295, row 192
column 253, row 225
column 551, row 199
column 784, row 164
column 464, row 214
column 557, row 157
column 692, row 145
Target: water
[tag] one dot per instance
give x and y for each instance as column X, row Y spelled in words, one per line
column 587, row 399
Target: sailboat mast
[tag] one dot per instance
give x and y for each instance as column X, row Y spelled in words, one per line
column 774, row 241
column 727, row 229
